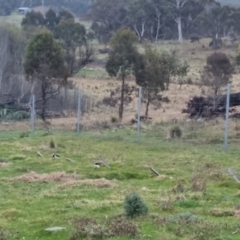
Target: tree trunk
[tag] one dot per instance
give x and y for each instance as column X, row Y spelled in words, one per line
column 158, row 19
column 121, row 107
column 140, row 32
column 147, row 107
column 180, row 36
column 157, row 33
column 151, row 31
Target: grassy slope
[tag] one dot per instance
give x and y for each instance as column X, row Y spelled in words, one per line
column 28, row 208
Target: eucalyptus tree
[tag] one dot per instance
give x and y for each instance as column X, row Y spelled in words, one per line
column 217, row 22
column 218, row 72
column 159, row 16
column 44, row 64
column 108, row 16
column 122, row 59
column 178, row 8
column 73, row 38
column 153, row 72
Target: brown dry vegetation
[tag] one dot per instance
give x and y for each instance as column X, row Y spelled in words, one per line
column 63, row 177
column 98, row 87
column 4, row 164
column 46, row 177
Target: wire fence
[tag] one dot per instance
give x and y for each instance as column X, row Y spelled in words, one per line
column 78, row 112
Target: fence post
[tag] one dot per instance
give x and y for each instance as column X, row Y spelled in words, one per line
column 139, row 114
column 79, row 112
column 34, row 114
column 227, row 118
column 32, row 118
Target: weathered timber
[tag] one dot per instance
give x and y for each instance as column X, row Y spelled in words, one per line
column 208, row 107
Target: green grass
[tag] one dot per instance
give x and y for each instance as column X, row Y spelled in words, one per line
column 26, row 209
column 14, row 18
column 93, row 73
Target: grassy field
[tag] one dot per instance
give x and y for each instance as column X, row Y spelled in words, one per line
column 193, row 198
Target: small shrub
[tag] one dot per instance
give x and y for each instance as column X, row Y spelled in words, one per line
column 18, row 116
column 184, row 218
column 198, row 183
column 189, row 81
column 52, row 144
column 4, row 235
column 120, row 227
column 109, row 101
column 179, row 188
column 167, row 206
column 176, row 132
column 24, row 134
column 114, row 120
column 194, row 38
column 134, row 205
column 87, row 228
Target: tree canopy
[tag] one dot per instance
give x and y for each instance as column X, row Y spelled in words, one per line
column 153, row 72
column 122, row 58
column 159, row 19
column 44, row 64
column 217, row 72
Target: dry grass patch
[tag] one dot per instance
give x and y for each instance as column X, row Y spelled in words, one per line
column 45, row 177
column 101, row 182
column 63, row 177
column 4, row 164
column 219, row 212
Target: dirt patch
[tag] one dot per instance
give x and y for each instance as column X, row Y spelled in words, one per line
column 237, row 213
column 45, row 177
column 4, row 164
column 101, row 182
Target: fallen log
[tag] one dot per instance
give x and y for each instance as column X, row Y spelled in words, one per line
column 207, row 107
column 155, row 171
column 233, row 174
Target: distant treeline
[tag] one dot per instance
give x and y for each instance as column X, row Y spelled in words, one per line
column 77, row 6
column 166, row 19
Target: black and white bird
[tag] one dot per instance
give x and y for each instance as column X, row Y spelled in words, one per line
column 97, row 164
column 54, row 155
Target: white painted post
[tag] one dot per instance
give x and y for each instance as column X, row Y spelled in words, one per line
column 227, row 118
column 139, row 114
column 79, row 112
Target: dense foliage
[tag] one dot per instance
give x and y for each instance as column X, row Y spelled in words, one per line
column 44, row 64
column 134, row 205
column 122, row 58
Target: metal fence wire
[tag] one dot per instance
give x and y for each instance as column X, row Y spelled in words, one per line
column 80, row 112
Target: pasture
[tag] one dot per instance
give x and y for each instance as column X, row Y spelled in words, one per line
column 194, row 197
